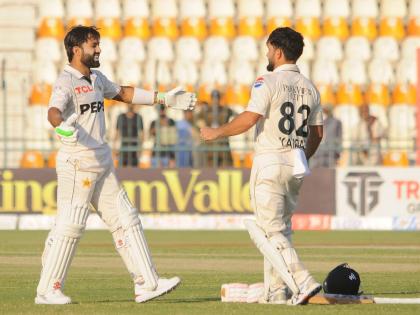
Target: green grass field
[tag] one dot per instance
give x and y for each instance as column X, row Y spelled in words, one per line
column 388, row 263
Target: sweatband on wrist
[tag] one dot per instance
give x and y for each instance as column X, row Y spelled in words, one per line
column 143, row 97
column 160, row 97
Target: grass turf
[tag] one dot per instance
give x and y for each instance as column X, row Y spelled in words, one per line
column 388, row 263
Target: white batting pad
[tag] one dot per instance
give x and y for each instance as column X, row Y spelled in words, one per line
column 60, row 248
column 273, row 255
column 242, row 292
column 137, row 248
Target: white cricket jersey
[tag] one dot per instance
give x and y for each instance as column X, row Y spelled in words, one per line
column 74, row 93
column 288, row 102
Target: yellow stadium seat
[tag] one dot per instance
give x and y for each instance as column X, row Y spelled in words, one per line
column 32, row 159
column 51, row 27
column 337, row 27
column 145, row 161
column 404, row 94
column 40, row 94
column 249, row 157
column 327, row 94
column 52, row 158
column 396, row 158
column 166, row 27
column 137, row 27
column 349, row 94
column 309, row 27
column 251, row 26
column 278, row 21
column 110, row 27
column 78, row 21
column 364, row 26
column 378, row 94
column 236, row 159
column 237, row 94
column 392, row 26
column 195, row 27
column 222, row 26
column 413, row 27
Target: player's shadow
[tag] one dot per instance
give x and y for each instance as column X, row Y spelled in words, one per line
column 391, row 293
column 191, row 300
column 166, row 301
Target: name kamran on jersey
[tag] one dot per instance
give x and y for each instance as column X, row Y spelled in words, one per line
column 292, row 143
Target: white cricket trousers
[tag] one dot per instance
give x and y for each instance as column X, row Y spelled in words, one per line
column 274, row 191
column 77, row 183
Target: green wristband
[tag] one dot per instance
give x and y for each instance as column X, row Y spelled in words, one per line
column 160, row 97
column 64, row 133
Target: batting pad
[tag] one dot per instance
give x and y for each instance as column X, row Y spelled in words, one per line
column 272, row 254
column 242, row 292
column 60, row 248
column 137, row 248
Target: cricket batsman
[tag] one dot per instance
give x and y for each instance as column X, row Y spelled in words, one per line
column 285, row 107
column 85, row 172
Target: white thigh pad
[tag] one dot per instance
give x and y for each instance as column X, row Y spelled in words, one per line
column 273, row 255
column 60, row 247
column 136, row 242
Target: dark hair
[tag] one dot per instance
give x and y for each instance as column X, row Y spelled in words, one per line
column 77, row 36
column 288, row 40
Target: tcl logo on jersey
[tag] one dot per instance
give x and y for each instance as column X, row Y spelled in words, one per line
column 95, row 107
column 83, row 89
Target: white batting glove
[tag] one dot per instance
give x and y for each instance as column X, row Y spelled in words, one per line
column 66, row 131
column 178, row 98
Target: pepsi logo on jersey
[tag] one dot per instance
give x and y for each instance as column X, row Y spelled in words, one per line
column 258, row 82
column 95, row 107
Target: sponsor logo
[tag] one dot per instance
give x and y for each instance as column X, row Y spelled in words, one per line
column 258, row 82
column 94, row 107
column 352, row 277
column 83, row 89
column 363, row 191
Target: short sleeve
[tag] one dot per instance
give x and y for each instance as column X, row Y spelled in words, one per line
column 315, row 118
column 260, row 97
column 111, row 89
column 60, row 97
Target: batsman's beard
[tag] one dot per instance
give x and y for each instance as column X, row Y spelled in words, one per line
column 90, row 61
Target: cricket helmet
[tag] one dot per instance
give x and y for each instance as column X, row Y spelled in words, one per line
column 342, row 280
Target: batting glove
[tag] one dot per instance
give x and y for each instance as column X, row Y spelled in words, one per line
column 66, row 131
column 178, row 98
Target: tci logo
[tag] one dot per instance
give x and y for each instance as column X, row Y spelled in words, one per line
column 363, row 191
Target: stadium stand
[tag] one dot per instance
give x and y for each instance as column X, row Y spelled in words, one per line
column 356, row 51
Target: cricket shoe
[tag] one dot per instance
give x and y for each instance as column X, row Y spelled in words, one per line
column 164, row 286
column 278, row 296
column 309, row 289
column 53, row 297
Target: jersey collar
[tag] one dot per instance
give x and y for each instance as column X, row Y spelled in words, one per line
column 78, row 75
column 287, row 67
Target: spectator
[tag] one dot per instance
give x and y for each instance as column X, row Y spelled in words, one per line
column 184, row 128
column 166, row 137
column 367, row 139
column 329, row 151
column 215, row 115
column 130, row 136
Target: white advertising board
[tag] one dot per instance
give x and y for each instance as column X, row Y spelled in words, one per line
column 379, row 193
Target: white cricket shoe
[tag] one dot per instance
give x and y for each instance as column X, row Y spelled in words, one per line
column 53, row 297
column 279, row 296
column 164, row 286
column 308, row 290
